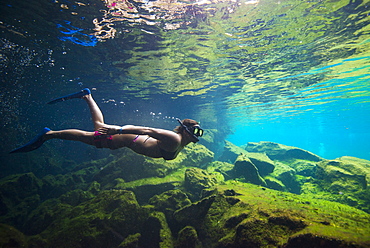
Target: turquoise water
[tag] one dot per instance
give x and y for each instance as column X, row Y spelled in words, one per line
column 330, row 118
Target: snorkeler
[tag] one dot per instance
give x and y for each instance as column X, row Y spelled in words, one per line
column 151, row 142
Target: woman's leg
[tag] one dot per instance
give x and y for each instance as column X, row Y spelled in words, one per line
column 71, row 134
column 96, row 114
column 80, row 135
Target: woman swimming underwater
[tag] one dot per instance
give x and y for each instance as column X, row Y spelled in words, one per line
column 148, row 141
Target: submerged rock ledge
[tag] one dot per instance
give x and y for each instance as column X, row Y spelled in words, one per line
column 262, row 195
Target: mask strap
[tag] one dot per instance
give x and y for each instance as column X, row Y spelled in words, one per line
column 187, row 129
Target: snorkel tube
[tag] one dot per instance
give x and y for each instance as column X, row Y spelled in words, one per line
column 187, row 130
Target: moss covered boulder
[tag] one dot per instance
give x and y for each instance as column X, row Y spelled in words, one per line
column 259, row 217
column 146, row 188
column 170, row 200
column 195, row 155
column 10, row 237
column 19, row 195
column 231, row 152
column 104, row 221
column 340, row 177
column 304, row 168
column 287, row 175
column 277, row 151
column 197, row 180
column 244, row 167
column 188, row 237
column 156, row 232
column 131, row 166
column 344, row 180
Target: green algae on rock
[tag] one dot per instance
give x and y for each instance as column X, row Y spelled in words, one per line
column 170, row 200
column 269, row 218
column 104, row 221
column 245, row 168
column 344, row 180
column 196, row 180
column 231, row 152
column 11, row 237
column 277, row 151
column 130, row 166
column 231, row 215
column 188, row 237
column 173, row 205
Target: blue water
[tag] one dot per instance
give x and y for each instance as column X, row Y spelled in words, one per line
column 330, row 119
column 332, row 134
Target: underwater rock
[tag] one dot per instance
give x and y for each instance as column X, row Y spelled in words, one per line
column 310, row 240
column 45, row 214
column 94, row 188
column 146, row 191
column 339, row 176
column 213, row 139
column 146, row 188
column 15, row 188
column 269, row 218
column 264, row 164
column 11, row 237
column 287, row 176
column 19, row 195
column 131, row 166
column 188, row 238
column 197, row 179
column 170, row 200
column 196, row 155
column 274, row 183
column 75, row 197
column 344, row 180
column 104, row 221
column 194, row 213
column 230, row 152
column 223, row 168
column 304, row 168
column 233, row 214
column 245, row 168
column 257, row 232
column 55, row 185
column 355, row 166
column 277, row 151
column 156, row 232
column 132, row 241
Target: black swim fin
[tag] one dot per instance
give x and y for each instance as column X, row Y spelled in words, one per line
column 79, row 94
column 34, row 143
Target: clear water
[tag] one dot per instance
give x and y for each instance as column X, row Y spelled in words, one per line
column 330, row 119
column 292, row 72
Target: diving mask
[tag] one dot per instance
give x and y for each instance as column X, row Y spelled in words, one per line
column 194, row 131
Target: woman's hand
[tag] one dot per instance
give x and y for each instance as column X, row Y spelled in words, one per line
column 109, row 129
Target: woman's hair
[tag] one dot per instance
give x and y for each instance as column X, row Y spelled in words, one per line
column 186, row 122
